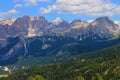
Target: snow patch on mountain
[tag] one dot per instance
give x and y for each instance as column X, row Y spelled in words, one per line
column 89, row 21
column 57, row 21
column 117, row 22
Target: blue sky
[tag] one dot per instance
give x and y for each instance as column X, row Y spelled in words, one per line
column 66, row 9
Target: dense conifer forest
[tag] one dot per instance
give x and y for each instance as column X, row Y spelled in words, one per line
column 99, row 65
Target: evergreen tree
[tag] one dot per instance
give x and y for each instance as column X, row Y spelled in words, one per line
column 38, row 77
column 79, row 78
column 93, row 78
column 31, row 78
column 98, row 76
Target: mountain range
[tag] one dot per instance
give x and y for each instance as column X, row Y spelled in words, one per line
column 27, row 26
column 54, row 40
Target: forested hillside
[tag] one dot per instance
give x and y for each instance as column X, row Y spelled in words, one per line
column 99, row 65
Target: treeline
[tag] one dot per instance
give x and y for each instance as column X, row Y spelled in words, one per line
column 99, row 65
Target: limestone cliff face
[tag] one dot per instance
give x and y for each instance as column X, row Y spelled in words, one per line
column 28, row 26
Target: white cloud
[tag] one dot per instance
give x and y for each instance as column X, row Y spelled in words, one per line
column 18, row 5
column 33, row 2
column 9, row 12
column 30, row 2
column 49, row 9
column 84, row 7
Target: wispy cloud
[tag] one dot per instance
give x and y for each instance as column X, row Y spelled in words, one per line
column 84, row 7
column 30, row 2
column 33, row 2
column 9, row 12
column 16, row 0
column 48, row 10
column 18, row 6
column 22, row 4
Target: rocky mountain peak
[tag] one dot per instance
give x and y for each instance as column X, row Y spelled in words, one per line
column 57, row 21
column 81, row 24
column 23, row 20
column 60, row 23
column 104, row 19
column 37, row 26
column 32, row 18
column 75, row 21
column 25, row 17
column 41, row 18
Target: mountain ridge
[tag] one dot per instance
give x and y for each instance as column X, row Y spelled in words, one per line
column 28, row 26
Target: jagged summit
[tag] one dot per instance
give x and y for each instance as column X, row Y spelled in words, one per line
column 104, row 19
column 30, row 26
column 57, row 21
column 75, row 21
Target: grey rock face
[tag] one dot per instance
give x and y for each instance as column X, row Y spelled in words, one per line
column 27, row 26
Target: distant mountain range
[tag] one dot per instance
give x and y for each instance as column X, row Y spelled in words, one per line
column 26, row 26
column 56, row 40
